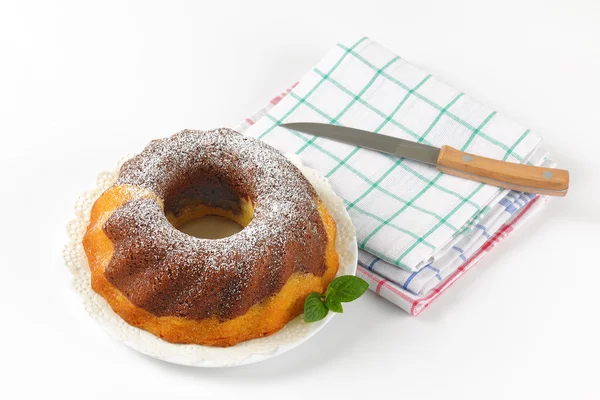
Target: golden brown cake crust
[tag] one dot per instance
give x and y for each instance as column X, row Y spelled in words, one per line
column 211, row 292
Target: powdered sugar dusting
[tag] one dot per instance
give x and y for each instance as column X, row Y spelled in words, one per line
column 170, row 273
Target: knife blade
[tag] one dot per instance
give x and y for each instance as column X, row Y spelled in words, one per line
column 504, row 174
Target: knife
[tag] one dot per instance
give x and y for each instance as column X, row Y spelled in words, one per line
column 504, row 174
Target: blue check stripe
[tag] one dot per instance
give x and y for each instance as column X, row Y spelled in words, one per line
column 518, row 202
column 437, row 271
column 461, row 253
column 414, row 274
column 372, row 264
column 508, row 205
column 483, row 230
column 409, row 280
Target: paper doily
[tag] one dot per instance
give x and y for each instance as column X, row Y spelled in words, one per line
column 294, row 333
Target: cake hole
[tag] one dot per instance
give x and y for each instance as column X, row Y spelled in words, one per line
column 206, row 206
column 210, row 227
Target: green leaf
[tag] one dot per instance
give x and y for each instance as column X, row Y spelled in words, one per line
column 346, row 288
column 314, row 308
column 334, row 305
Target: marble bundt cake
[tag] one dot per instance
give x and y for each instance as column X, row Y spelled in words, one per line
column 216, row 292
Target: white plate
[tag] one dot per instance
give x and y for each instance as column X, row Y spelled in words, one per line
column 252, row 351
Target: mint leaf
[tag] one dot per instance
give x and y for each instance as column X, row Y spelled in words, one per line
column 346, row 288
column 334, row 305
column 342, row 289
column 314, row 308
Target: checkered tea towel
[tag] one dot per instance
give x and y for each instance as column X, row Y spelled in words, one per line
column 405, row 212
column 515, row 209
column 415, row 290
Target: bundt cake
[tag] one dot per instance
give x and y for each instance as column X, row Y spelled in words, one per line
column 216, row 292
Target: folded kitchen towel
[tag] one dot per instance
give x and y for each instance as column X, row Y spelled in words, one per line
column 406, row 213
column 414, row 303
column 414, row 291
column 463, row 246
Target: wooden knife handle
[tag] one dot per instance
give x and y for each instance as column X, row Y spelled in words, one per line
column 524, row 178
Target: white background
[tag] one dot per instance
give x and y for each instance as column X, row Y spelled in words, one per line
column 83, row 83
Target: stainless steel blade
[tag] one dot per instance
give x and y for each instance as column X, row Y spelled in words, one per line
column 370, row 140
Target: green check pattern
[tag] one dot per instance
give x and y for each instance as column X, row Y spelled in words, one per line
column 404, row 211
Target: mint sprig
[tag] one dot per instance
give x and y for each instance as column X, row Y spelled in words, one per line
column 342, row 289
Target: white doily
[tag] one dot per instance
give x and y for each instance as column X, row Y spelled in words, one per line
column 294, row 333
